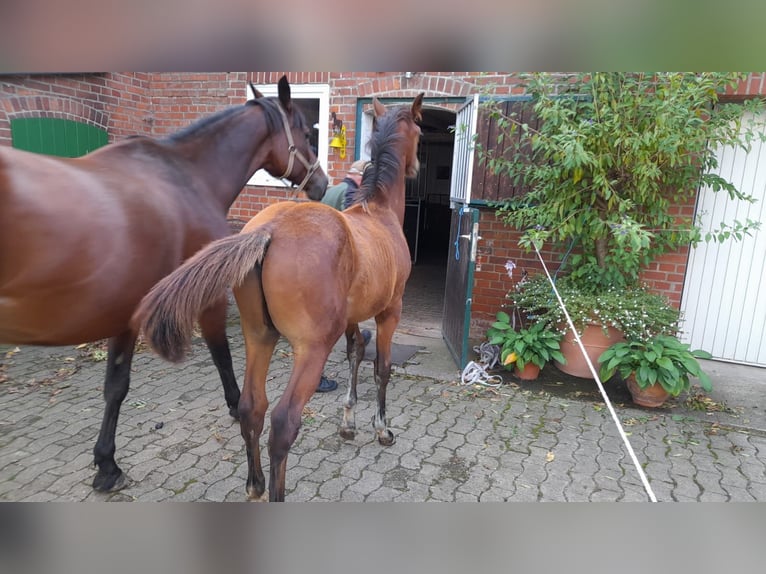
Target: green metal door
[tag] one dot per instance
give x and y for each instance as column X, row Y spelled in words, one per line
column 54, row 136
column 464, row 229
column 458, row 290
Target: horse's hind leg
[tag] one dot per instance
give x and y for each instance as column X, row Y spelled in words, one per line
column 109, row 476
column 286, row 415
column 213, row 326
column 386, row 324
column 253, row 404
column 355, row 354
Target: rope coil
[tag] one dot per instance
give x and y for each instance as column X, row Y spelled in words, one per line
column 476, row 373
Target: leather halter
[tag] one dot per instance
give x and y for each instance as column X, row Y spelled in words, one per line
column 310, row 168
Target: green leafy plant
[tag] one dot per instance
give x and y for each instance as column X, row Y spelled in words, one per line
column 613, row 154
column 535, row 344
column 635, row 311
column 662, row 360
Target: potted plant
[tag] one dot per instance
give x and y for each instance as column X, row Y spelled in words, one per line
column 655, row 368
column 527, row 350
column 600, row 318
column 603, row 160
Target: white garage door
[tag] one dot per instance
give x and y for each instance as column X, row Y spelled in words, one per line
column 724, row 297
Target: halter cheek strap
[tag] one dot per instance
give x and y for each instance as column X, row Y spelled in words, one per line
column 293, row 153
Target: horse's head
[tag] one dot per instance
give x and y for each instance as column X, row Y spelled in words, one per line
column 292, row 157
column 410, row 131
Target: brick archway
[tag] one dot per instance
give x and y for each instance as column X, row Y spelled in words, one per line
column 51, row 107
column 48, row 107
column 403, row 87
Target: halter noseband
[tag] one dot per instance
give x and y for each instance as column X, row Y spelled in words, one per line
column 310, row 168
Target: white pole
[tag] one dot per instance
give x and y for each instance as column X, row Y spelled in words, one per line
column 632, row 454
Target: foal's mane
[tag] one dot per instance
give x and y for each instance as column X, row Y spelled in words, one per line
column 384, row 168
column 270, row 107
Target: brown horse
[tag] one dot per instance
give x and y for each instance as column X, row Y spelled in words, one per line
column 307, row 272
column 83, row 240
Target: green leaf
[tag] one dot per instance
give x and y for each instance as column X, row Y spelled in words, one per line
column 705, row 381
column 666, row 363
column 503, row 317
column 557, row 356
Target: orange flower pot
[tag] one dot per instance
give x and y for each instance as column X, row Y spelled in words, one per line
column 652, row 397
column 595, row 342
column 529, row 373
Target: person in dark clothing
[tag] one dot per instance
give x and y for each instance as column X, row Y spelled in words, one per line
column 340, row 196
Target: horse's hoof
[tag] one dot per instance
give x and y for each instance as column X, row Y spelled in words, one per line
column 254, row 496
column 388, row 439
column 234, row 412
column 347, row 433
column 104, row 482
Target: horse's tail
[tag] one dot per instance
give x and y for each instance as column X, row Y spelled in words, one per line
column 168, row 312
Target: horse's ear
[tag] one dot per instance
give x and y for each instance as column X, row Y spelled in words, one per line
column 417, row 106
column 283, row 88
column 256, row 93
column 380, row 109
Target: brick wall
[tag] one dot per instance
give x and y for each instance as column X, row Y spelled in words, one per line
column 117, row 103
column 666, row 274
column 499, row 244
column 180, row 99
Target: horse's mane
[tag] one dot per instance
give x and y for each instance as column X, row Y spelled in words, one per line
column 270, row 107
column 384, row 168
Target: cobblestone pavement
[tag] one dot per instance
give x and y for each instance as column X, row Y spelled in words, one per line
column 547, row 441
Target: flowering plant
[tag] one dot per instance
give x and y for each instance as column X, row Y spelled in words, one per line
column 635, row 311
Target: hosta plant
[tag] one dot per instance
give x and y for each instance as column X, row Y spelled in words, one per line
column 534, row 344
column 661, row 360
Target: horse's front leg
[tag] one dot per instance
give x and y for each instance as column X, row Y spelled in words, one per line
column 386, row 324
column 355, row 353
column 212, row 323
column 120, row 355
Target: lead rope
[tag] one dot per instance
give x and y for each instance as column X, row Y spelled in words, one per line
column 457, row 237
column 476, row 373
column 310, row 168
column 632, row 454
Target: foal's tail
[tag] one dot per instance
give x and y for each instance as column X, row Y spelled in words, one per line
column 168, row 312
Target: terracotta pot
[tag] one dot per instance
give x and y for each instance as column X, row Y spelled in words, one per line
column 530, row 372
column 595, row 343
column 652, row 397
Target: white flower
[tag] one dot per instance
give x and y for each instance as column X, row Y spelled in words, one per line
column 509, row 267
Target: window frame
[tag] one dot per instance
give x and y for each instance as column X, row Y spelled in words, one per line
column 321, row 92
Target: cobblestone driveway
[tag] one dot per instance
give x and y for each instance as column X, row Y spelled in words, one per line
column 543, row 442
